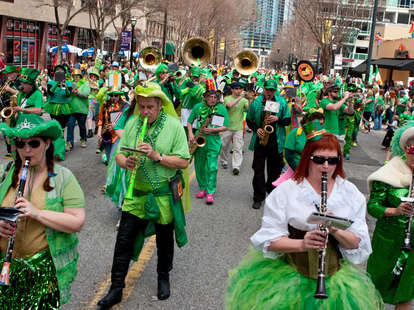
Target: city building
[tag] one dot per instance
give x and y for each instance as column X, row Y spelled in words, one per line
column 259, row 34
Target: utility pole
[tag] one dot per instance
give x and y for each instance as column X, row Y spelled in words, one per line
column 164, row 36
column 371, row 41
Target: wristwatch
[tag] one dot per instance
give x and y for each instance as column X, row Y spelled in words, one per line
column 159, row 160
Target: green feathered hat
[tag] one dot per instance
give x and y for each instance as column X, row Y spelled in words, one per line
column 401, row 136
column 11, row 69
column 313, row 130
column 29, row 76
column 153, row 90
column 32, row 125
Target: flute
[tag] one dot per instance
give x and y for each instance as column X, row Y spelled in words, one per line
column 320, row 287
column 141, row 136
column 5, row 271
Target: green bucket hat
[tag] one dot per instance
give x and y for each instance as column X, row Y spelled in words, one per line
column 153, row 90
column 29, row 76
column 313, row 130
column 271, row 84
column 11, row 69
column 32, row 125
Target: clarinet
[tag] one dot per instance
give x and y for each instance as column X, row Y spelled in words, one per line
column 320, row 287
column 407, row 244
column 5, row 271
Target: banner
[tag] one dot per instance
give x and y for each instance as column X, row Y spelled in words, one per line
column 125, row 40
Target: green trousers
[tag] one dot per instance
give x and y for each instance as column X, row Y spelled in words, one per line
column 350, row 126
column 205, row 164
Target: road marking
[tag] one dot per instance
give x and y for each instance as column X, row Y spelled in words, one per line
column 134, row 272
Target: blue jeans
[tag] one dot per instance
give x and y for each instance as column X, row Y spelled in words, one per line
column 377, row 121
column 81, row 118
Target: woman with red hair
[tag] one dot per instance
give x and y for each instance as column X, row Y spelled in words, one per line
column 281, row 272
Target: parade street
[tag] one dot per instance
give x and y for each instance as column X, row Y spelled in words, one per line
column 218, row 234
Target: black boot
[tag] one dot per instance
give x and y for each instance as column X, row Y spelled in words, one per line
column 163, row 285
column 96, row 130
column 113, row 297
column 90, row 133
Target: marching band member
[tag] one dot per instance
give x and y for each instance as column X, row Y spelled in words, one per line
column 79, row 105
column 154, row 207
column 236, row 105
column 278, row 117
column 45, row 253
column 281, row 272
column 212, row 118
column 387, row 185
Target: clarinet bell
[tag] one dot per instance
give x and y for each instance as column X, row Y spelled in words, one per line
column 320, row 289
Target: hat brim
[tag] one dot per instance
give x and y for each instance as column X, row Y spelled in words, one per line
column 27, row 81
column 51, row 129
column 115, row 92
column 270, row 87
column 406, row 135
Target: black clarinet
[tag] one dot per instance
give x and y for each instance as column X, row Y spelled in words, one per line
column 320, row 287
column 5, row 271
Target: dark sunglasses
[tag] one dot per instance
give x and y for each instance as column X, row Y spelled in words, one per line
column 320, row 160
column 32, row 143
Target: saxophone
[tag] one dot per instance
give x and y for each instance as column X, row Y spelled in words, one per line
column 199, row 139
column 267, row 130
column 320, row 288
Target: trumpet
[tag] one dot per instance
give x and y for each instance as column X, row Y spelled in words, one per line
column 268, row 130
column 141, row 137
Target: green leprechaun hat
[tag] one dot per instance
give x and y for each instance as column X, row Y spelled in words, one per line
column 11, row 69
column 32, row 125
column 313, row 130
column 29, row 76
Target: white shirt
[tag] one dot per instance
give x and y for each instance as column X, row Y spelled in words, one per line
column 292, row 203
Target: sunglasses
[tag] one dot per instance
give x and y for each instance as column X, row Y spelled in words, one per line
column 320, row 160
column 32, row 143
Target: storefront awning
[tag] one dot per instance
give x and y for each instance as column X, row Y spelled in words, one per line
column 388, row 63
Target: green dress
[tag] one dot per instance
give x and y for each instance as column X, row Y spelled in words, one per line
column 389, row 232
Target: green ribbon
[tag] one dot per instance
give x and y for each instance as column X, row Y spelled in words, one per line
column 205, row 112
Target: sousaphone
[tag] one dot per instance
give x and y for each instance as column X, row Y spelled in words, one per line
column 197, row 50
column 246, row 62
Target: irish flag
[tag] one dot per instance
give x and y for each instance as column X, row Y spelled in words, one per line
column 411, row 31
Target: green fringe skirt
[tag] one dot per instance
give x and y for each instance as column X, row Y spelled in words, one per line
column 33, row 284
column 266, row 284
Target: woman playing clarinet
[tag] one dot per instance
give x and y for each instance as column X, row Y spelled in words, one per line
column 283, row 271
column 391, row 263
column 44, row 259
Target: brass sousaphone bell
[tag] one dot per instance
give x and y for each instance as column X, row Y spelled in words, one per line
column 197, row 50
column 246, row 62
column 149, row 58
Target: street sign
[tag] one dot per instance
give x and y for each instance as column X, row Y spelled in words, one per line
column 125, row 40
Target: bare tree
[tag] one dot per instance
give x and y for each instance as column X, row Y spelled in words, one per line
column 330, row 22
column 64, row 11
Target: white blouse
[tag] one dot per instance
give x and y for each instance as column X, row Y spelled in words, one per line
column 292, row 203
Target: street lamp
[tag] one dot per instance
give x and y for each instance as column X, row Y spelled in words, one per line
column 133, row 23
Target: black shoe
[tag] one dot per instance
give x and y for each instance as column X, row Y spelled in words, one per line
column 113, row 297
column 236, row 171
column 256, row 205
column 90, row 133
column 163, row 285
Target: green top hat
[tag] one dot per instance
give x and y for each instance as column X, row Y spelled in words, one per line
column 313, row 130
column 32, row 125
column 115, row 90
column 94, row 71
column 29, row 76
column 271, row 84
column 11, row 69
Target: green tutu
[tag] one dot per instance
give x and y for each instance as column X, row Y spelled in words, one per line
column 57, row 109
column 261, row 283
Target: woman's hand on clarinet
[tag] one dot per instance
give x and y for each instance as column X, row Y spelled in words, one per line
column 314, row 239
column 6, row 229
column 131, row 162
column 405, row 208
column 26, row 207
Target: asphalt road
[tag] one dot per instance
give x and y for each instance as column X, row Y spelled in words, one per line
column 218, row 234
